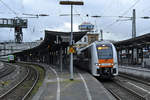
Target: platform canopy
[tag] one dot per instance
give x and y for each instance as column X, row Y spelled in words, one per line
column 137, row 42
column 63, row 36
column 53, row 40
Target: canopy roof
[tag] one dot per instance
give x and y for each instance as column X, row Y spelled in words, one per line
column 55, row 39
column 137, row 42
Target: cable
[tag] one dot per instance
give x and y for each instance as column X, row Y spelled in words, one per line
column 131, row 7
column 128, row 10
column 76, row 11
column 145, row 8
column 9, row 8
column 109, row 5
column 116, row 21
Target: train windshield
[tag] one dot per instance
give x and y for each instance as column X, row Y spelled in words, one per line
column 104, row 51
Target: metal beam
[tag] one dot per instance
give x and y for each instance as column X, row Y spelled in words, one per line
column 11, row 23
column 71, row 3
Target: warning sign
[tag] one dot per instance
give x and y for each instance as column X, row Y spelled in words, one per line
column 71, row 50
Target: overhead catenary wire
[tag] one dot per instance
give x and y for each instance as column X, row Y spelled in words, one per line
column 76, row 11
column 8, row 7
column 131, row 7
column 106, row 6
column 103, row 16
column 116, row 21
column 109, row 5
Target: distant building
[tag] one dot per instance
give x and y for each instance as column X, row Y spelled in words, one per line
column 90, row 37
column 86, row 26
column 12, row 47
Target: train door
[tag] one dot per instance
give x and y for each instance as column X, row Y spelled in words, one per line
column 87, row 58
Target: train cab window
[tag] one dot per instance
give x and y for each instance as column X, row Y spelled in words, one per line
column 104, row 51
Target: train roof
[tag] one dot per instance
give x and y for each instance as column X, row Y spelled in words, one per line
column 102, row 42
column 96, row 42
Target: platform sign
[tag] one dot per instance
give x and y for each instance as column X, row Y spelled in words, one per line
column 71, row 50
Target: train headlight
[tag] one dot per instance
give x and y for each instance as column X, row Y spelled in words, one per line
column 97, row 64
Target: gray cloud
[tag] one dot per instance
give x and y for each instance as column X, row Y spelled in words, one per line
column 117, row 31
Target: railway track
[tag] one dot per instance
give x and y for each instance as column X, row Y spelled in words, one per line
column 6, row 70
column 135, row 79
column 22, row 90
column 120, row 91
column 139, row 85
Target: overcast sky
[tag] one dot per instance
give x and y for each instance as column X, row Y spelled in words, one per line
column 117, row 31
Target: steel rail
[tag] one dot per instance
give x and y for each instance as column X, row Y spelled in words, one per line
column 35, row 82
column 6, row 93
column 131, row 91
column 135, row 79
column 114, row 94
column 6, row 72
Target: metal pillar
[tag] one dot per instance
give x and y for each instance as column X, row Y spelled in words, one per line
column 61, row 59
column 127, row 52
column 11, row 49
column 134, row 24
column 121, row 57
column 71, row 54
column 18, row 34
column 134, row 55
column 52, row 57
column 137, row 50
column 132, row 59
column 39, row 56
column 4, row 48
column 118, row 58
column 101, row 31
column 142, row 58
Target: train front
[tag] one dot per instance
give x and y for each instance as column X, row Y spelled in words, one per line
column 107, row 60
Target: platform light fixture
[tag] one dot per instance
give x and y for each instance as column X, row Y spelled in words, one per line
column 71, row 3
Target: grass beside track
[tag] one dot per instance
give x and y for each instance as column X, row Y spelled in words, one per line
column 41, row 72
column 40, row 81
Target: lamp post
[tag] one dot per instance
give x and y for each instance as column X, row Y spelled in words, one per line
column 71, row 3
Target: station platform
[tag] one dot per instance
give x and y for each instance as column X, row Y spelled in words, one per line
column 136, row 70
column 1, row 65
column 58, row 86
column 146, row 67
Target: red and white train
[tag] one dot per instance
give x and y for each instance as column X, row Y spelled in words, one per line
column 100, row 58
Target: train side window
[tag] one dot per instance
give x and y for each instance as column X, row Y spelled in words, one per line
column 89, row 53
column 81, row 55
column 86, row 53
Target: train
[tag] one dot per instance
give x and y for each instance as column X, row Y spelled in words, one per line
column 8, row 58
column 99, row 58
